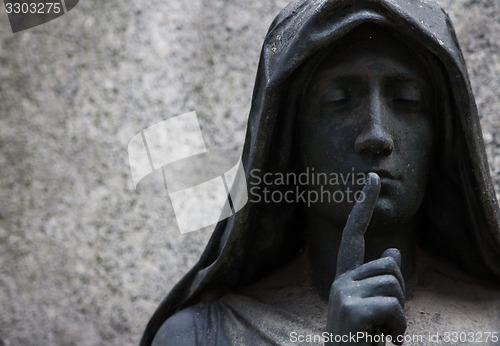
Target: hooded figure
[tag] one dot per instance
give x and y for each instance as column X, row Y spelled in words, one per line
column 460, row 219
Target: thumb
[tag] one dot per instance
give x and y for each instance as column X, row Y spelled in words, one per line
column 394, row 253
column 400, row 330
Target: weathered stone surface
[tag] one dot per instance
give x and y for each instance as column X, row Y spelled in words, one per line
column 84, row 259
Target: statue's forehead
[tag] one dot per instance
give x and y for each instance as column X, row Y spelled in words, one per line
column 369, row 50
column 363, row 63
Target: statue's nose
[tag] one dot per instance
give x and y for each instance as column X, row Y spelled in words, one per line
column 374, row 138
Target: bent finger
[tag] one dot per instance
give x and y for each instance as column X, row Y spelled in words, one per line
column 381, row 266
column 382, row 286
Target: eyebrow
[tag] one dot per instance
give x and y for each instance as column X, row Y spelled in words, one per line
column 406, row 77
column 336, row 77
column 351, row 78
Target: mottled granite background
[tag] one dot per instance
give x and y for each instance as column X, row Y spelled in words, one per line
column 84, row 259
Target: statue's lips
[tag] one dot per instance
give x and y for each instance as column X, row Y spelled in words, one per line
column 390, row 181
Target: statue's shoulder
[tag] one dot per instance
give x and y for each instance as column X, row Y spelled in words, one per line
column 180, row 328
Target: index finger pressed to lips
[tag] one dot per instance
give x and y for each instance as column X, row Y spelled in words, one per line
column 352, row 246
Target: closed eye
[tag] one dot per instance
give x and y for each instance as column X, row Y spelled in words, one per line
column 335, row 96
column 411, row 94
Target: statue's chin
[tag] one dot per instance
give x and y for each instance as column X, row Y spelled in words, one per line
column 389, row 212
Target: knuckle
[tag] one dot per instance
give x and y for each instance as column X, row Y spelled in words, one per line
column 339, row 291
column 388, row 284
column 391, row 263
column 392, row 303
column 392, row 281
column 348, row 304
column 337, row 286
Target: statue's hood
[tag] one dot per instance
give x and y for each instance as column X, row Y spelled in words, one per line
column 463, row 217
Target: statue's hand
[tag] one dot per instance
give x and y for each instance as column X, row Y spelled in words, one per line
column 365, row 297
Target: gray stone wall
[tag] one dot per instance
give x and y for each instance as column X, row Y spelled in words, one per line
column 84, row 259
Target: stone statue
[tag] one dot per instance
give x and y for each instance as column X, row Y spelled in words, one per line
column 376, row 90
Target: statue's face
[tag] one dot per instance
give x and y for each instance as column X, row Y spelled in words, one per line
column 368, row 108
